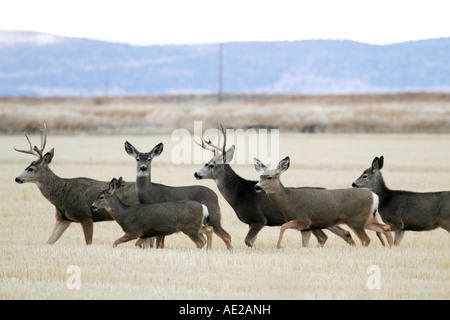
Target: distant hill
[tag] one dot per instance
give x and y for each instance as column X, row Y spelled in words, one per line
column 38, row 64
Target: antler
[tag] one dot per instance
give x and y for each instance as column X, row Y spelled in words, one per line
column 35, row 150
column 212, row 147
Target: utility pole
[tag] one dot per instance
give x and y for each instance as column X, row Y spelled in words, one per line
column 220, row 74
column 106, row 87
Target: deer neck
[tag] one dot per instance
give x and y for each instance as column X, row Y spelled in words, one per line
column 116, row 208
column 278, row 196
column 51, row 186
column 228, row 183
column 380, row 187
column 144, row 187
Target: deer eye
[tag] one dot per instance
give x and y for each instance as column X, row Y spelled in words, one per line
column 30, row 169
column 102, row 197
column 210, row 166
column 269, row 178
column 365, row 176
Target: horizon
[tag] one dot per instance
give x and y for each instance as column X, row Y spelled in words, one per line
column 48, row 40
column 138, row 22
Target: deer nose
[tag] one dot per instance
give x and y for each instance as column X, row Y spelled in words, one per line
column 94, row 208
column 354, row 185
column 18, row 180
column 197, row 176
column 143, row 168
column 257, row 188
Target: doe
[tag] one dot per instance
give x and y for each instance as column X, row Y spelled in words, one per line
column 405, row 210
column 150, row 192
column 305, row 209
column 159, row 219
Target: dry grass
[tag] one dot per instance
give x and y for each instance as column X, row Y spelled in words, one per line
column 143, row 115
column 30, row 269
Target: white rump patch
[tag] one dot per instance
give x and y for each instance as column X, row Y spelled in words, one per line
column 205, row 214
column 375, row 202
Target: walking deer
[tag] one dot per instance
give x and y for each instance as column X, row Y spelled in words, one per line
column 149, row 192
column 72, row 198
column 405, row 210
column 305, row 209
column 159, row 219
column 251, row 208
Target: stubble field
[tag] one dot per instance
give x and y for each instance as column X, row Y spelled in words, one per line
column 31, row 269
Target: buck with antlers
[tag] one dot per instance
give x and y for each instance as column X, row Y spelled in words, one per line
column 311, row 208
column 72, row 198
column 251, row 207
column 149, row 192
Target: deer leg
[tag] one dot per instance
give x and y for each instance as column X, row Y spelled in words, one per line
column 88, row 230
column 381, row 238
column 224, row 236
column 199, row 242
column 320, row 235
column 399, row 236
column 253, row 233
column 362, row 235
column 344, row 234
column 207, row 230
column 160, row 242
column 58, row 230
column 293, row 224
column 381, row 228
column 306, row 235
column 139, row 243
column 147, row 242
column 126, row 237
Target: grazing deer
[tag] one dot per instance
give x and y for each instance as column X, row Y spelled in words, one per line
column 159, row 219
column 305, row 209
column 149, row 192
column 252, row 208
column 405, row 210
column 72, row 198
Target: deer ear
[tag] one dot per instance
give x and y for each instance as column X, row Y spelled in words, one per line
column 157, row 150
column 47, row 158
column 377, row 163
column 229, row 154
column 119, row 183
column 130, row 149
column 112, row 185
column 283, row 165
column 259, row 166
column 381, row 162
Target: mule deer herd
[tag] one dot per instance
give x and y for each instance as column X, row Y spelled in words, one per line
column 147, row 210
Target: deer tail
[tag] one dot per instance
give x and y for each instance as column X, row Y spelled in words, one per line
column 205, row 215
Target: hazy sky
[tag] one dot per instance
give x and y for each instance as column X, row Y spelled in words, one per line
column 146, row 22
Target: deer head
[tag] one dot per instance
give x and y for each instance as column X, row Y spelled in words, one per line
column 144, row 160
column 371, row 177
column 269, row 180
column 34, row 171
column 221, row 156
column 102, row 200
